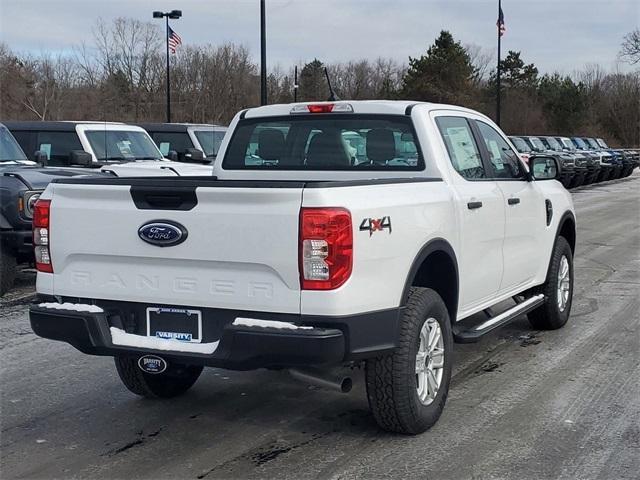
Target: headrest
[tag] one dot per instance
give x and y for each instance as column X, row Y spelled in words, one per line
column 381, row 145
column 271, row 144
column 327, row 150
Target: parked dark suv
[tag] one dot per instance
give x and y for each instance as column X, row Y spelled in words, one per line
column 21, row 183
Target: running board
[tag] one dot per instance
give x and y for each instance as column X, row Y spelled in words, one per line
column 474, row 333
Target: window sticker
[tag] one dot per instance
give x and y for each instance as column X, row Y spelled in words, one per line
column 164, row 148
column 125, row 147
column 46, row 148
column 496, row 157
column 463, row 148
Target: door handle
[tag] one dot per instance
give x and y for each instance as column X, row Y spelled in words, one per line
column 513, row 201
column 474, row 205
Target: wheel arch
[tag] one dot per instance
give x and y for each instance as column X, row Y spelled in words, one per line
column 567, row 229
column 436, row 267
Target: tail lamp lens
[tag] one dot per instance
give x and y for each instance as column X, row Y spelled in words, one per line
column 326, row 248
column 41, row 242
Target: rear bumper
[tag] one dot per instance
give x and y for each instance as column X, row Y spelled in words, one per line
column 330, row 341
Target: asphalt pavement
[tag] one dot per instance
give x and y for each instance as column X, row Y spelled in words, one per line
column 523, row 404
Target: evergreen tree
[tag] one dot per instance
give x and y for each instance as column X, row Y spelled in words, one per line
column 313, row 85
column 563, row 102
column 445, row 74
column 515, row 73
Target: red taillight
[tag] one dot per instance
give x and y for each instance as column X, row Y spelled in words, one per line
column 41, row 237
column 326, row 248
column 41, row 213
column 320, row 108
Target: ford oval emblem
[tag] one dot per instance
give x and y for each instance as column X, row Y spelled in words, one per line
column 152, row 364
column 163, row 233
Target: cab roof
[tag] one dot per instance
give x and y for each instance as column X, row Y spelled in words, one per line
column 177, row 127
column 374, row 107
column 59, row 126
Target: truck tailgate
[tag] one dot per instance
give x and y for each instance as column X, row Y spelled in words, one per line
column 241, row 250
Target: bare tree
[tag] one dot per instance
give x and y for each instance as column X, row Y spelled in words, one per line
column 482, row 60
column 630, row 50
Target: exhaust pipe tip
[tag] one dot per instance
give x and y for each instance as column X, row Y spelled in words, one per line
column 346, row 385
column 324, row 379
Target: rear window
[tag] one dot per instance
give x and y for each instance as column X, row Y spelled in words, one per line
column 325, row 142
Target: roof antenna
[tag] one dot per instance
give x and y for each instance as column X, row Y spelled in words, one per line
column 332, row 95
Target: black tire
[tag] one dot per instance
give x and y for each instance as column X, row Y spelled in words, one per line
column 174, row 381
column 603, row 176
column 577, row 180
column 392, row 381
column 8, row 269
column 550, row 316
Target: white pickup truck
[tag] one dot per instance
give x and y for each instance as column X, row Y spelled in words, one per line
column 331, row 235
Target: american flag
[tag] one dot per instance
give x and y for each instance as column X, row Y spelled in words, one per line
column 174, row 40
column 502, row 28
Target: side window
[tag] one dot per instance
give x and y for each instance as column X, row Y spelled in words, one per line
column 176, row 141
column 504, row 160
column 58, row 146
column 462, row 148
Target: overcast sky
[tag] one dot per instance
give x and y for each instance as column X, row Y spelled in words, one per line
column 559, row 35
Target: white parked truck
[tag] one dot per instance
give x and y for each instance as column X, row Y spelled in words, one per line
column 112, row 147
column 331, row 235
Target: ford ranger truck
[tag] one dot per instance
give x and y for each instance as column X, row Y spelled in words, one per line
column 314, row 251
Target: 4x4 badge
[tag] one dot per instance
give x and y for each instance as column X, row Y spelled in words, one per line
column 375, row 225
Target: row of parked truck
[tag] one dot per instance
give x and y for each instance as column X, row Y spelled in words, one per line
column 33, row 153
column 584, row 160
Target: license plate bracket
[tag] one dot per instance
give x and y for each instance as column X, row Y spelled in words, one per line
column 180, row 324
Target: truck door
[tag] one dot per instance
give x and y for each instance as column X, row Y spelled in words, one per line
column 481, row 214
column 525, row 217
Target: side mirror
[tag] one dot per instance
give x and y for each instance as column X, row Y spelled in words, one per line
column 80, row 157
column 172, row 155
column 544, row 168
column 194, row 155
column 41, row 157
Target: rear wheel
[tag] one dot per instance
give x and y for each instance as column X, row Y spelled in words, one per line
column 174, row 381
column 558, row 290
column 407, row 390
column 8, row 269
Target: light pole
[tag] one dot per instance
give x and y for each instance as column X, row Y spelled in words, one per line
column 263, row 53
column 173, row 15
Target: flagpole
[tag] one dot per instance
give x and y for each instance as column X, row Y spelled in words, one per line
column 499, row 72
column 168, row 77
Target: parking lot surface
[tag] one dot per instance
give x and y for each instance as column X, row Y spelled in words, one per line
column 523, row 404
